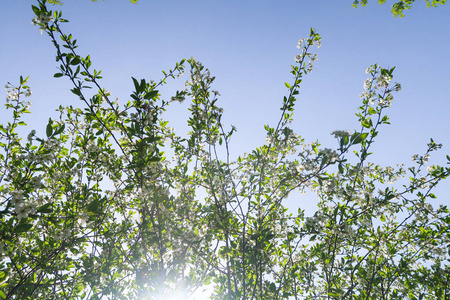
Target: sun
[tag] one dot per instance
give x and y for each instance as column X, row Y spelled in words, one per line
column 202, row 293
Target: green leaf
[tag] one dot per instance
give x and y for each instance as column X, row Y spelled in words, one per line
column 344, row 141
column 2, row 276
column 57, row 75
column 36, row 10
column 358, row 138
column 49, row 129
column 76, row 91
column 151, row 94
column 46, row 208
column 23, row 227
column 60, row 129
column 75, row 61
column 371, row 111
column 142, row 86
column 93, row 207
column 366, row 124
column 2, row 295
column 136, row 84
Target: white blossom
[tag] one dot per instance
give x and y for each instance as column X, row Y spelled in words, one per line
column 42, row 20
column 340, row 133
column 367, row 83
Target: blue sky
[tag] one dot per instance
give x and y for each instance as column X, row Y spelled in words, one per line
column 249, row 46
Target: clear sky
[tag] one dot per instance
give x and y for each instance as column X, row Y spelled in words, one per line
column 249, row 46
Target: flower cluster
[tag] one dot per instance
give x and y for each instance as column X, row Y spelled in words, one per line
column 341, row 133
column 305, row 44
column 42, row 21
column 331, row 154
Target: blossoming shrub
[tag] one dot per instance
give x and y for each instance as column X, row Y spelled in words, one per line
column 96, row 209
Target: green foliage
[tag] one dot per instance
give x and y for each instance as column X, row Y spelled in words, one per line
column 399, row 7
column 55, row 2
column 97, row 210
column 59, row 2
